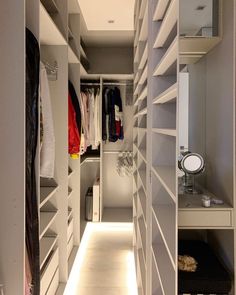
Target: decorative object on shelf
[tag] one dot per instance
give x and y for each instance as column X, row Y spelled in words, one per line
column 125, row 164
column 187, row 263
column 191, row 164
column 206, row 201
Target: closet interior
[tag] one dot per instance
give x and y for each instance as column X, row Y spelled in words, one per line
column 184, row 103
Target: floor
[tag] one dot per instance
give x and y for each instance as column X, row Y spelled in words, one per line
column 104, row 264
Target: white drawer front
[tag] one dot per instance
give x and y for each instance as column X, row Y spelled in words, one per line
column 206, row 218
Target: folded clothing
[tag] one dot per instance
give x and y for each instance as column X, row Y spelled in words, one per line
column 210, row 277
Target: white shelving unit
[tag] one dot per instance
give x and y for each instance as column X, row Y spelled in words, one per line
column 164, row 213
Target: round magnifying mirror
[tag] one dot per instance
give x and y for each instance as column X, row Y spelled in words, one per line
column 192, row 163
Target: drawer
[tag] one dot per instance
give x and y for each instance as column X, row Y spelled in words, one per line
column 205, row 218
column 54, row 284
column 49, row 271
column 70, row 229
column 70, row 246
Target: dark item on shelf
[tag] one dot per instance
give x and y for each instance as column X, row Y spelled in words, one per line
column 211, row 277
column 89, row 204
column 32, row 125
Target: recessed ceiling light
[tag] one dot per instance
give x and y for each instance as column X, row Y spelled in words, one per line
column 111, row 21
column 201, row 7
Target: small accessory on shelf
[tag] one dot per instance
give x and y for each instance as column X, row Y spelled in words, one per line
column 217, row 201
column 206, row 201
column 187, row 263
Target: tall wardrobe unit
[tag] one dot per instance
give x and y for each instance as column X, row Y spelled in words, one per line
column 56, row 26
column 184, row 98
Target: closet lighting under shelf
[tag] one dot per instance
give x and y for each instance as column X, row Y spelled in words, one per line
column 168, row 95
column 165, row 269
column 166, row 175
column 165, row 221
column 167, row 25
column 169, row 132
column 144, row 58
column 160, row 9
column 168, row 59
column 46, row 246
column 46, row 193
column 144, row 28
column 46, row 220
column 49, row 33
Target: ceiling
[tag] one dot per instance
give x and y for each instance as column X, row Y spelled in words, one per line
column 107, row 22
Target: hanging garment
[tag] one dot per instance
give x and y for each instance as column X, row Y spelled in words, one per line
column 28, row 276
column 85, row 122
column 112, row 116
column 91, row 107
column 118, row 114
column 47, row 151
column 31, row 113
column 105, row 113
column 76, row 106
column 97, row 113
column 73, row 133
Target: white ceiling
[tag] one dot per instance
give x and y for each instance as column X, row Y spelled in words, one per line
column 96, row 29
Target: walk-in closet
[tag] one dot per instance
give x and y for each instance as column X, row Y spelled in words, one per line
column 117, row 147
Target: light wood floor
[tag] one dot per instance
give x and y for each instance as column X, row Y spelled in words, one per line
column 105, row 263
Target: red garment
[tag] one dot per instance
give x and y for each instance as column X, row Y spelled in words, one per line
column 73, row 133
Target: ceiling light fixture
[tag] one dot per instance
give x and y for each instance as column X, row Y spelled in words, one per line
column 111, row 21
column 201, row 7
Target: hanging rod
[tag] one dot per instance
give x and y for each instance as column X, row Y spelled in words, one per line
column 116, row 152
column 116, row 84
column 90, row 84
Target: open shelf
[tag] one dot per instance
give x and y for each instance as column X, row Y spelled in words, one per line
column 142, row 9
column 46, row 246
column 168, row 59
column 164, row 268
column 142, row 175
column 160, row 9
column 165, row 221
column 167, row 177
column 167, row 25
column 169, row 132
column 143, row 58
column 46, row 220
column 49, row 33
column 143, row 77
column 46, row 193
column 142, row 96
column 168, row 95
column 144, row 28
column 51, row 6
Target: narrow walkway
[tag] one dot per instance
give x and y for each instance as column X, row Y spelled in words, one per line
column 105, row 262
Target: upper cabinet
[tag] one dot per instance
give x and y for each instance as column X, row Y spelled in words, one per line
column 200, row 28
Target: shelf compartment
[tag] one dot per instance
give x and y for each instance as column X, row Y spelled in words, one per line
column 169, row 58
column 157, row 287
column 142, row 9
column 143, row 200
column 46, row 246
column 49, row 32
column 142, row 268
column 162, row 260
column 50, row 6
column 168, row 95
column 142, row 96
column 167, row 177
column 46, row 220
column 143, row 58
column 160, row 10
column 144, row 28
column 169, row 132
column 165, row 218
column 143, row 77
column 142, row 176
column 167, row 25
column 46, row 193
column 49, row 271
